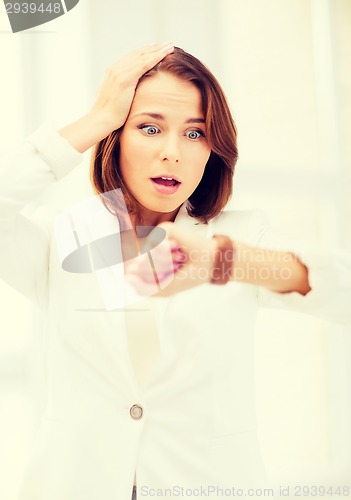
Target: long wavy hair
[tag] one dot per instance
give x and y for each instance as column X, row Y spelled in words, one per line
column 216, row 185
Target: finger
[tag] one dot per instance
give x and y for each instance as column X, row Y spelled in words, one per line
column 172, row 242
column 142, row 288
column 146, row 275
column 151, row 59
column 179, row 257
column 148, row 55
column 154, row 47
column 144, row 271
column 161, row 52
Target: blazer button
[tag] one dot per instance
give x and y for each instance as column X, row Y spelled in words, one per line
column 136, row 412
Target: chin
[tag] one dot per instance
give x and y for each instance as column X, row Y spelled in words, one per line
column 159, row 207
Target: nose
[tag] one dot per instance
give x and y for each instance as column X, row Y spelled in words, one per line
column 170, row 150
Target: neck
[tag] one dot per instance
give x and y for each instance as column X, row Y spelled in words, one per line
column 151, row 218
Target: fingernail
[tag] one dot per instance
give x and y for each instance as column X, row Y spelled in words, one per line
column 176, row 266
column 163, row 276
column 168, row 42
column 180, row 255
column 175, row 248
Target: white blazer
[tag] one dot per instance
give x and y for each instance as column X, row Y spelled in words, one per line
column 193, row 424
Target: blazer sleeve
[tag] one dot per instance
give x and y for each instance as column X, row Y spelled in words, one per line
column 43, row 159
column 329, row 275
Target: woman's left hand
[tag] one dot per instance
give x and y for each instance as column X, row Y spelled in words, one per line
column 180, row 261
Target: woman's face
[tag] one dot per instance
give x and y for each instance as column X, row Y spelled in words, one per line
column 163, row 146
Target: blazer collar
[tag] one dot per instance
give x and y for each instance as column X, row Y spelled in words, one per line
column 186, row 221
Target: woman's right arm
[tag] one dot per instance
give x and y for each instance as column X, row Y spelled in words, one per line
column 33, row 167
column 46, row 157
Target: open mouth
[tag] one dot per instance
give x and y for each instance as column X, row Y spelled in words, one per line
column 165, row 185
column 165, row 181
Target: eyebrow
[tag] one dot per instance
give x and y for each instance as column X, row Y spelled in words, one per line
column 158, row 116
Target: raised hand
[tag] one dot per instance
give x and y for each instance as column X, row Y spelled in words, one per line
column 114, row 97
column 121, row 78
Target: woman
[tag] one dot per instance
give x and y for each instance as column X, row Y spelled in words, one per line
column 150, row 375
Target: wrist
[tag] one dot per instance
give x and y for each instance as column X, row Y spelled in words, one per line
column 104, row 121
column 88, row 130
column 223, row 260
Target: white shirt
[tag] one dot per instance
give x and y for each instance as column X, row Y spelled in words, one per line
column 187, row 364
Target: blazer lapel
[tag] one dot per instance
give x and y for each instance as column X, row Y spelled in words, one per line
column 185, row 220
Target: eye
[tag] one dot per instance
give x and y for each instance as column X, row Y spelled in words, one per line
column 149, row 129
column 195, row 134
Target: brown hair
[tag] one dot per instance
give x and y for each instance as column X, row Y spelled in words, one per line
column 215, row 187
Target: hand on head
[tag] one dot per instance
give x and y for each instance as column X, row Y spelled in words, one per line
column 117, row 90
